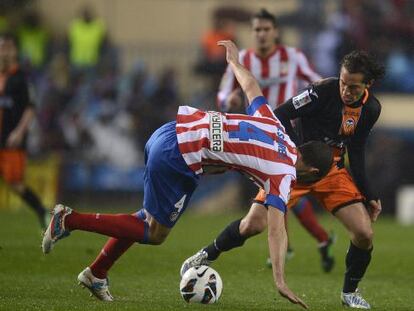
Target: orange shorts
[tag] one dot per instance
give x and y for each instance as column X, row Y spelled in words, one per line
column 334, row 191
column 12, row 164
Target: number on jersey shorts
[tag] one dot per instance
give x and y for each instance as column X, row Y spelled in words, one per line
column 178, row 208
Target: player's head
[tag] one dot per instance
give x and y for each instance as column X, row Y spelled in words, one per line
column 314, row 161
column 8, row 50
column 265, row 30
column 358, row 72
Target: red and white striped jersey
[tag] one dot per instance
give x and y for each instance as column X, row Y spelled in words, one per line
column 278, row 75
column 255, row 144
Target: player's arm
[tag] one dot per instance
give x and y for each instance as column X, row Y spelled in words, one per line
column 277, row 239
column 306, row 102
column 16, row 136
column 305, row 70
column 356, row 153
column 246, row 80
column 229, row 96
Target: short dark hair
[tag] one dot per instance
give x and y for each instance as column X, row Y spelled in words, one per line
column 265, row 14
column 318, row 155
column 362, row 62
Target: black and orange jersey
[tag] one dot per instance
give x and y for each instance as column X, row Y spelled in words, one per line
column 321, row 115
column 14, row 99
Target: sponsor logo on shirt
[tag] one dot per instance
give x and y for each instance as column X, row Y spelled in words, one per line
column 216, row 132
column 301, row 100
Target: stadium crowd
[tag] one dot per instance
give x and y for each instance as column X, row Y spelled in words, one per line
column 87, row 107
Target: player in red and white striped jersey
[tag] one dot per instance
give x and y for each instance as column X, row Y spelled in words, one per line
column 256, row 145
column 177, row 153
column 279, row 69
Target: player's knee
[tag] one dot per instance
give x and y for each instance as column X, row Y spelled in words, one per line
column 250, row 226
column 157, row 239
column 364, row 237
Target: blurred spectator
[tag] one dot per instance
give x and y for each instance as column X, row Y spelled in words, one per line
column 212, row 59
column 87, row 35
column 212, row 62
column 33, row 40
column 4, row 23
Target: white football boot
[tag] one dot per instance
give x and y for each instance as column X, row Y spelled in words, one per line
column 199, row 259
column 354, row 300
column 56, row 229
column 98, row 287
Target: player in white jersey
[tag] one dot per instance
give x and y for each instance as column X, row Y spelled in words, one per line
column 280, row 70
column 175, row 156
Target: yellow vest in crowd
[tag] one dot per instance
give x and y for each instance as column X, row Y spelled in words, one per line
column 85, row 41
column 33, row 44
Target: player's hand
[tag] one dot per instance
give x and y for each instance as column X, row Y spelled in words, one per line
column 232, row 52
column 285, row 292
column 374, row 209
column 235, row 101
column 15, row 139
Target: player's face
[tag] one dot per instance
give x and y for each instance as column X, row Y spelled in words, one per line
column 264, row 34
column 351, row 86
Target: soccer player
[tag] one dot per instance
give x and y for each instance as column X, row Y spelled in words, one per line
column 279, row 69
column 16, row 114
column 177, row 153
column 341, row 112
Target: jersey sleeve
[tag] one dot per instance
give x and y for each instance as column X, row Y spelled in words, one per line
column 278, row 193
column 259, row 108
column 305, row 103
column 305, row 71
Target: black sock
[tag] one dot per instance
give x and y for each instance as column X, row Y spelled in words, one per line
column 33, row 201
column 357, row 261
column 228, row 239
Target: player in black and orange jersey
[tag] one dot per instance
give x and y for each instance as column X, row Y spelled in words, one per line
column 16, row 114
column 341, row 112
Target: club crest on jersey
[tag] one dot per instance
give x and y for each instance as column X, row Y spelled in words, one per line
column 349, row 126
column 301, row 100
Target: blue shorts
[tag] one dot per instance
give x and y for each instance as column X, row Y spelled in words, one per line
column 168, row 181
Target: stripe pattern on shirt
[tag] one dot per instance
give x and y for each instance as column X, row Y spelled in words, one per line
column 255, row 144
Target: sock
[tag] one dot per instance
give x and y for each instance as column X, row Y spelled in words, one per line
column 120, row 226
column 33, row 201
column 112, row 250
column 228, row 239
column 305, row 214
column 357, row 261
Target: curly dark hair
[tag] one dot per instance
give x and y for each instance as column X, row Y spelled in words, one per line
column 363, row 62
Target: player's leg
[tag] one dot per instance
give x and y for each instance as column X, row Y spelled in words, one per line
column 304, row 212
column 13, row 168
column 356, row 219
column 168, row 186
column 120, row 226
column 346, row 204
column 95, row 277
column 234, row 235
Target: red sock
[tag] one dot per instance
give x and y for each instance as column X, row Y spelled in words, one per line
column 120, row 226
column 112, row 250
column 308, row 220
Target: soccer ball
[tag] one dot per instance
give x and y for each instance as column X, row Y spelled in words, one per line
column 201, row 284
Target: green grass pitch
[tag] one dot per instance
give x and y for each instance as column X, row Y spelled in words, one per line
column 147, row 277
